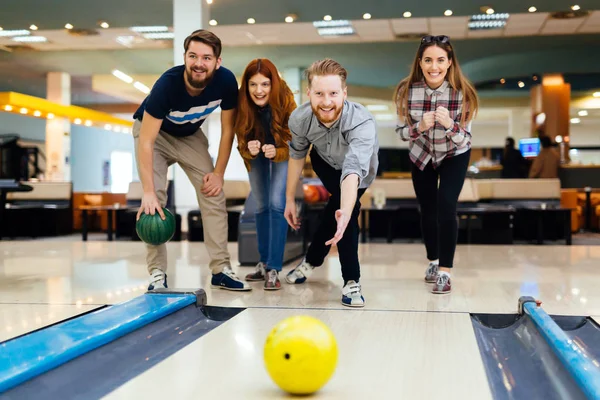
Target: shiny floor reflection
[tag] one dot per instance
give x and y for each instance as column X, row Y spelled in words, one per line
column 486, row 279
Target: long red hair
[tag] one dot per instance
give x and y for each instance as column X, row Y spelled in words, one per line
column 281, row 100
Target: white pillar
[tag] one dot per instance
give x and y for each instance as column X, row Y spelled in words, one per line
column 188, row 16
column 58, row 130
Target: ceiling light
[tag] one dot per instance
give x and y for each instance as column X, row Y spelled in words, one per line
column 575, row 7
column 50, row 116
column 209, row 1
column 146, row 29
column 535, row 78
column 596, row 94
column 489, row 11
column 37, row 113
column 327, row 18
column 366, row 16
column 485, row 21
column 336, row 31
column 141, row 87
column 20, row 32
column 532, row 9
column 122, row 76
column 583, row 113
column 334, row 28
column 104, row 25
column 521, row 84
column 329, row 24
column 448, row 13
column 7, row 107
column 23, row 110
column 407, row 14
column 575, row 120
column 251, row 20
column 126, row 40
column 160, row 35
column 33, row 27
column 30, row 39
column 68, row 26
column 88, row 123
column 213, row 22
column 503, row 81
column 77, row 121
column 289, row 19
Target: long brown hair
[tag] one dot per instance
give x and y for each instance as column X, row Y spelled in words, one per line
column 455, row 77
column 281, row 100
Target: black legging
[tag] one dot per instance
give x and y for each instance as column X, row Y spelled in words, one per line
column 348, row 245
column 438, row 205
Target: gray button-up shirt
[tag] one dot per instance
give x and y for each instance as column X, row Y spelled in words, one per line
column 350, row 145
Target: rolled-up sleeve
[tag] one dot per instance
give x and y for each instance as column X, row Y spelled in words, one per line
column 458, row 134
column 408, row 132
column 361, row 144
column 299, row 143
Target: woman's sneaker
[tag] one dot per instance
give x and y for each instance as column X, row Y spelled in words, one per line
column 431, row 272
column 443, row 284
column 272, row 282
column 299, row 274
column 352, row 296
column 258, row 275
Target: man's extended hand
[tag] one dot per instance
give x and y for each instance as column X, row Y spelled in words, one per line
column 342, row 223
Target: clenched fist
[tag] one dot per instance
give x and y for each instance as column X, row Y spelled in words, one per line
column 254, row 147
column 269, row 150
column 442, row 115
column 427, row 122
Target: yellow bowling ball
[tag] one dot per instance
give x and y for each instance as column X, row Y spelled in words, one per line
column 300, row 354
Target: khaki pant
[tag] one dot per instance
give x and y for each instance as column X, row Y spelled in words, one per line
column 191, row 153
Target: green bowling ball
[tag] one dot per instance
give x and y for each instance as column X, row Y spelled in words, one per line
column 153, row 230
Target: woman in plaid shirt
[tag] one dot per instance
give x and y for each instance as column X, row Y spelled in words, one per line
column 435, row 105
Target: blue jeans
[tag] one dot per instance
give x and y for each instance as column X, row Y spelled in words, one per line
column 268, row 182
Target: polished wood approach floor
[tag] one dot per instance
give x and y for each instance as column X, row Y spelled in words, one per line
column 406, row 342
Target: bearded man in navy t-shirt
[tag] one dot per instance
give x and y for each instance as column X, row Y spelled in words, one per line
column 167, row 130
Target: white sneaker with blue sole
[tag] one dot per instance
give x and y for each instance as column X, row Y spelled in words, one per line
column 352, row 296
column 299, row 274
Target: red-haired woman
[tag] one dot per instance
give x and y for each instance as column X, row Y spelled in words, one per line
column 265, row 103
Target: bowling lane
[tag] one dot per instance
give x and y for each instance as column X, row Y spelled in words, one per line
column 18, row 319
column 383, row 354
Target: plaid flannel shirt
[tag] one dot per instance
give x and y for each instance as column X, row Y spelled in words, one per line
column 437, row 143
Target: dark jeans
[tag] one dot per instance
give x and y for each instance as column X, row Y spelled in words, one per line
column 439, row 222
column 348, row 245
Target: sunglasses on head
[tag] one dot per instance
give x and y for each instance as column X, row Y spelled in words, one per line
column 439, row 39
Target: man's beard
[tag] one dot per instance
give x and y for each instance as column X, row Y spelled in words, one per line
column 326, row 119
column 198, row 84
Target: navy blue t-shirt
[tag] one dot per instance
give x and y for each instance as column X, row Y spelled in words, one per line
column 181, row 113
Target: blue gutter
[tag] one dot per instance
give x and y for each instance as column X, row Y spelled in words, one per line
column 585, row 373
column 28, row 356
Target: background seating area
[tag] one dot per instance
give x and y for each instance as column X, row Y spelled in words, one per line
column 490, row 210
